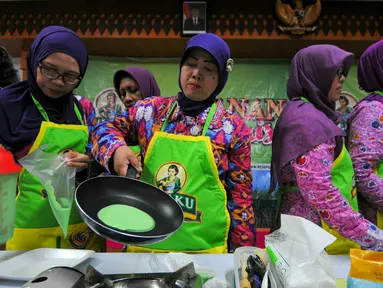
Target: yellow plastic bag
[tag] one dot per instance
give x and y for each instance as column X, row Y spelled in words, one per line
column 366, row 265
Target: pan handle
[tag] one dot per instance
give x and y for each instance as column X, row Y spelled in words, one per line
column 131, row 172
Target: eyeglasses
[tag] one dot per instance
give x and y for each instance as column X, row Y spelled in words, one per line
column 340, row 73
column 53, row 74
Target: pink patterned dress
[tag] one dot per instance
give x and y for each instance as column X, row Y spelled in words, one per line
column 365, row 143
column 316, row 198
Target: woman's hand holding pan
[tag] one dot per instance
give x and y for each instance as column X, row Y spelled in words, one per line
column 122, row 158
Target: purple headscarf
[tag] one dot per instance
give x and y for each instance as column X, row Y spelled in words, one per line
column 144, row 78
column 370, row 71
column 302, row 126
column 219, row 50
column 19, row 117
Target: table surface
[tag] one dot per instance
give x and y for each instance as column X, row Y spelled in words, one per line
column 121, row 263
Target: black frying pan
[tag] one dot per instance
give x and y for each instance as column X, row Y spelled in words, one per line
column 96, row 193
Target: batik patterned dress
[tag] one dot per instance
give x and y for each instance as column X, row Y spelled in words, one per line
column 230, row 139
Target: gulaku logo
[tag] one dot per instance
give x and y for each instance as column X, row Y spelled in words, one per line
column 171, row 178
column 189, row 205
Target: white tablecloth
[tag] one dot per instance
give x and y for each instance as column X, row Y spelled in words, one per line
column 119, row 263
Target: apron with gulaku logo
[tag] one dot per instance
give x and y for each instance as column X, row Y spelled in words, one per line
column 184, row 167
column 36, row 225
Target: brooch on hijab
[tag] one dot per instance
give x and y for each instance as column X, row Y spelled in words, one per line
column 229, row 65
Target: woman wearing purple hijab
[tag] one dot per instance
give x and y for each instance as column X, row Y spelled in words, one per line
column 133, row 84
column 365, row 136
column 194, row 150
column 309, row 161
column 42, row 111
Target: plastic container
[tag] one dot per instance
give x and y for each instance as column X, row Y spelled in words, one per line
column 242, row 253
column 9, row 172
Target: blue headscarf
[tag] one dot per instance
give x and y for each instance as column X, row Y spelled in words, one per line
column 219, row 50
column 20, row 120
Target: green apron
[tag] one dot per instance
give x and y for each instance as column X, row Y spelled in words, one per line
column 342, row 174
column 184, row 167
column 379, row 171
column 36, row 226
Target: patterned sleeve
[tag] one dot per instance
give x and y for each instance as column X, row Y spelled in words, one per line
column 110, row 135
column 90, row 119
column 312, row 171
column 366, row 149
column 239, row 180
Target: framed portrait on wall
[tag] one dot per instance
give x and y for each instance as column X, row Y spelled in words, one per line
column 194, row 17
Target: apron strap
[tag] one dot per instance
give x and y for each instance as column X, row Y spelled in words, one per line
column 78, row 113
column 207, row 123
column 45, row 115
column 41, row 109
column 167, row 118
column 209, row 118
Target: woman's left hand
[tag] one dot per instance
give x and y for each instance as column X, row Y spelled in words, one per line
column 77, row 160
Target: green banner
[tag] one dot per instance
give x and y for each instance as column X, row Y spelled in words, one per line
column 256, row 90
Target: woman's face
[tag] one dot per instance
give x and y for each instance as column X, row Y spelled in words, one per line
column 337, row 86
column 199, row 75
column 343, row 103
column 130, row 92
column 172, row 172
column 57, row 74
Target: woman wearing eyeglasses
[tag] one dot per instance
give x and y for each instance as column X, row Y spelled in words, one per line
column 309, row 160
column 365, row 138
column 43, row 111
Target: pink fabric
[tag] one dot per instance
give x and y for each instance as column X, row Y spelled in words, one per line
column 260, row 237
column 113, row 245
column 317, row 198
column 365, row 143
